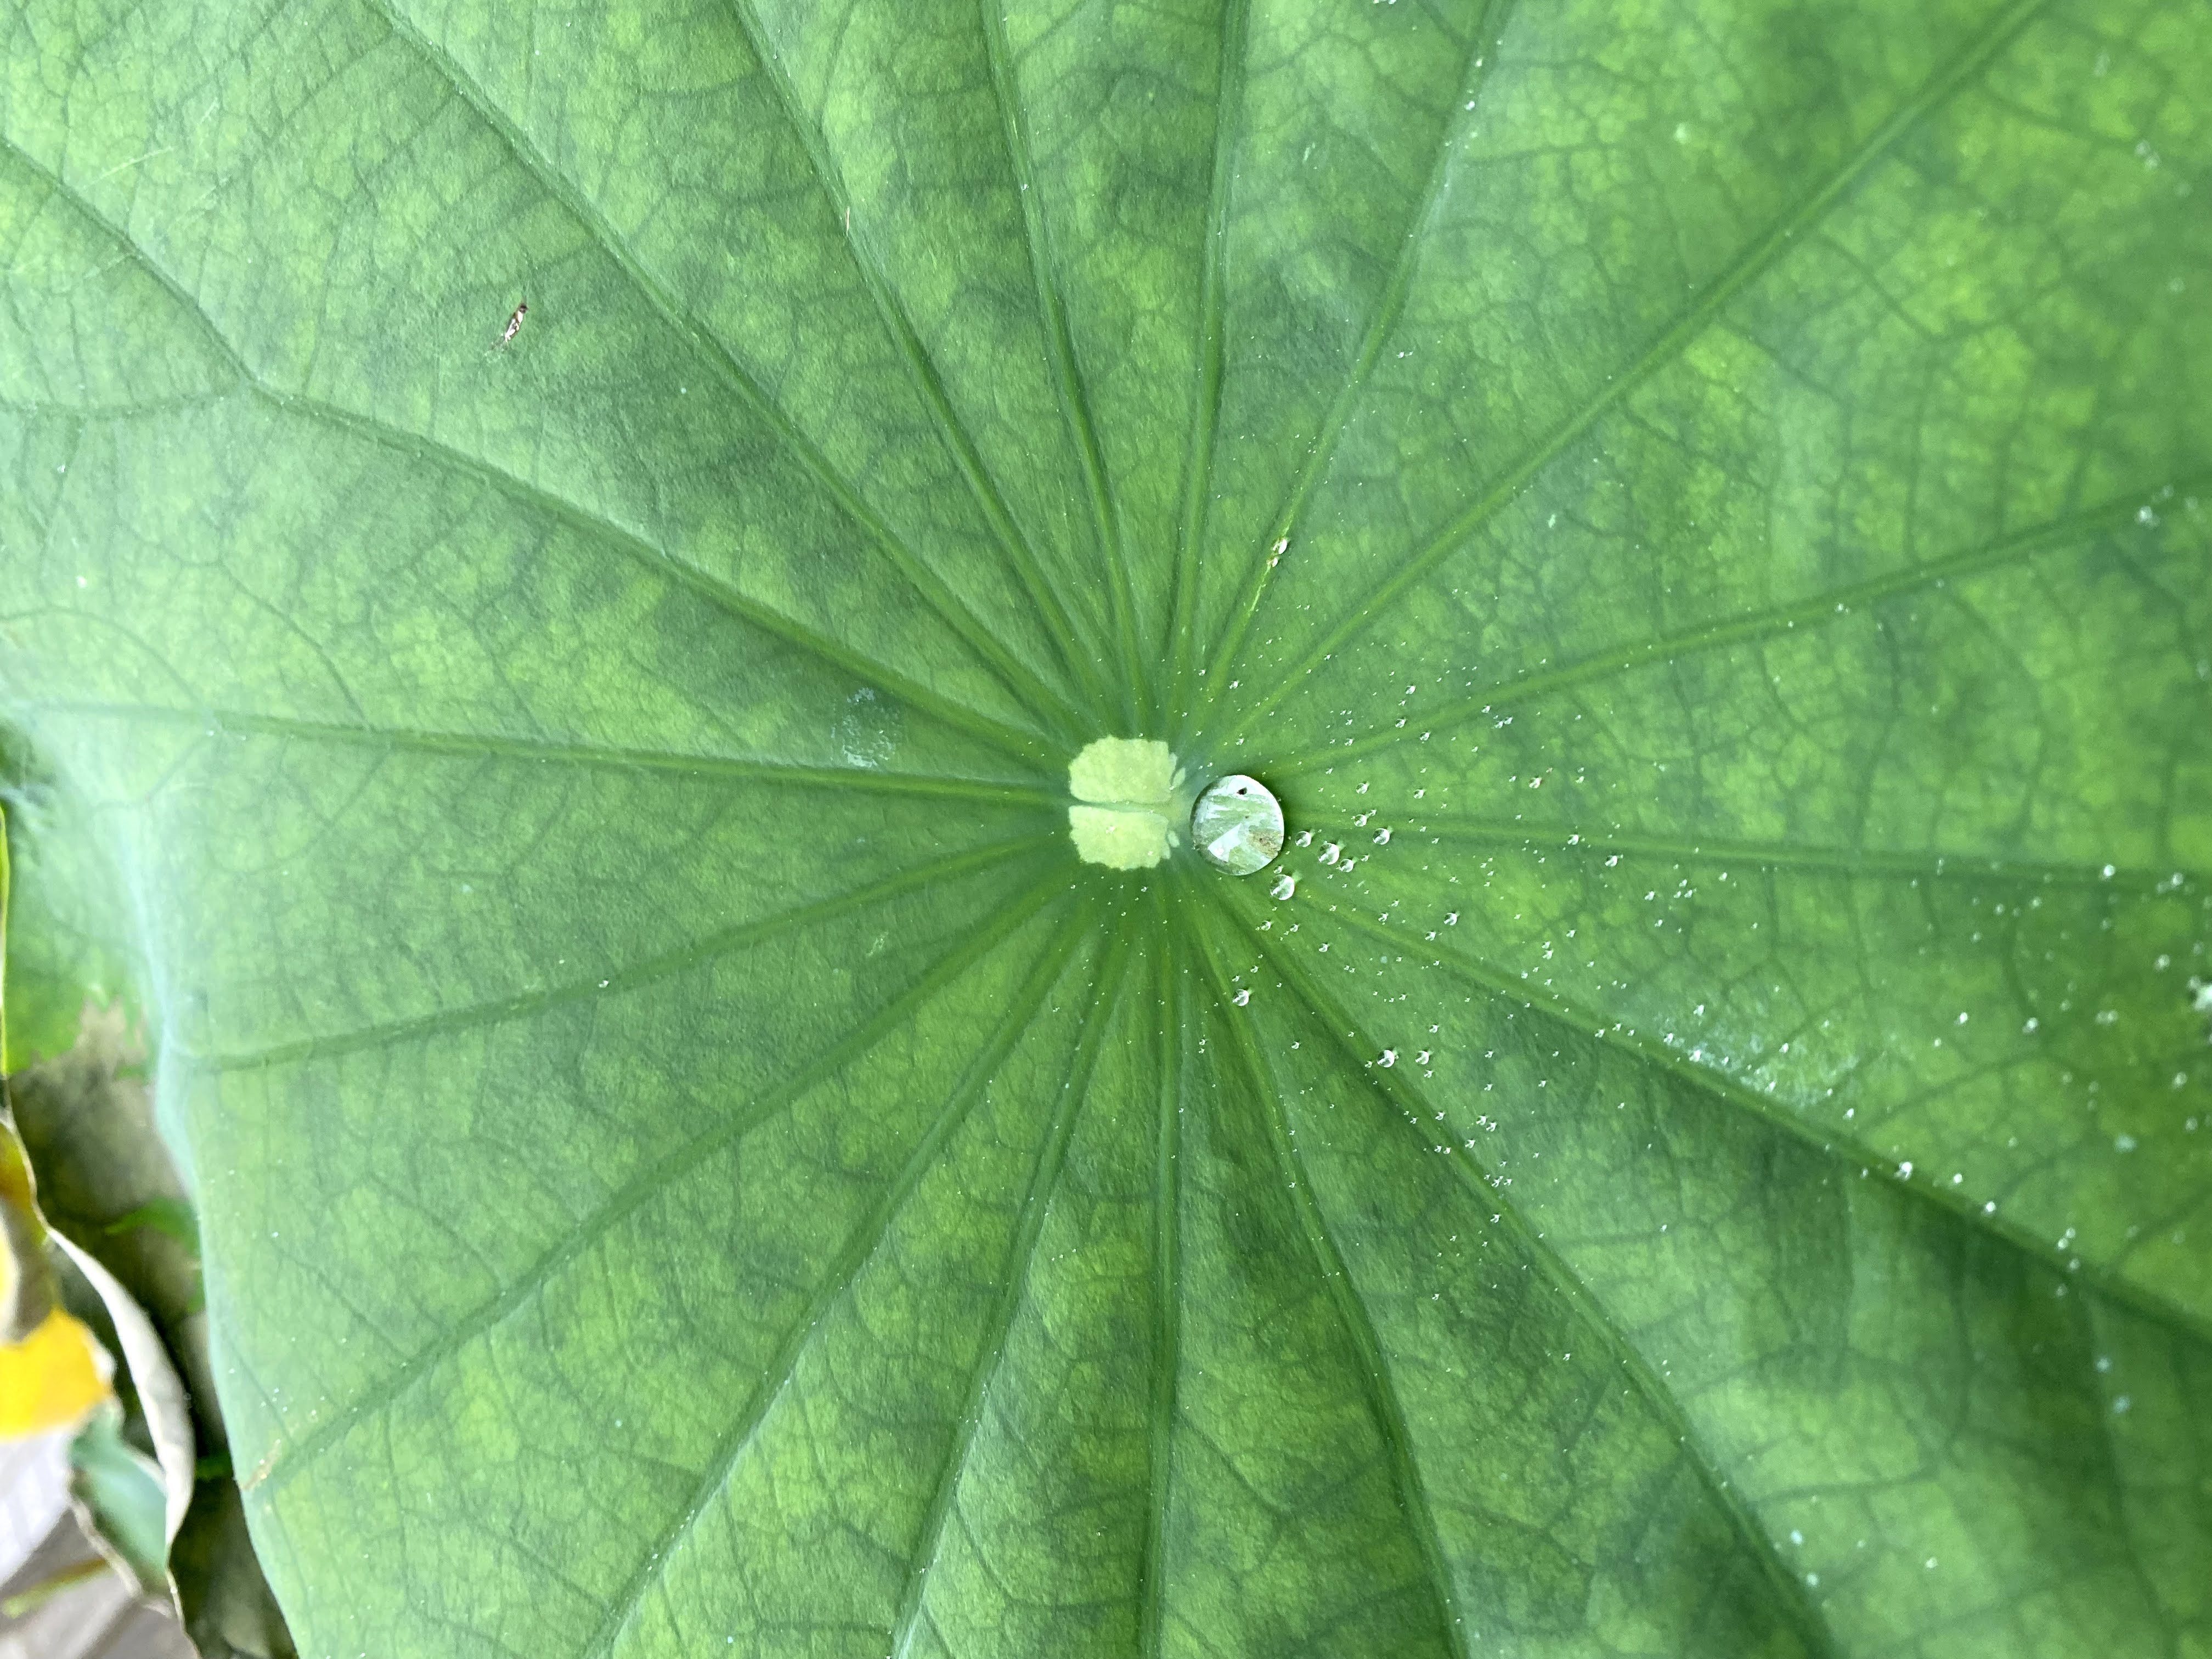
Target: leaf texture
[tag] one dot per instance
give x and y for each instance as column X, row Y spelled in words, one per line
column 1698, row 508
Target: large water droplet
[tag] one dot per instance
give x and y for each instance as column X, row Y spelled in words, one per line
column 1238, row 825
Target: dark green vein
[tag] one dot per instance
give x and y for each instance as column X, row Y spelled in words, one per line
column 1383, row 1404
column 1407, row 1104
column 2111, row 1462
column 475, row 746
column 693, row 953
column 1877, row 863
column 1284, row 529
column 1137, row 689
column 1752, row 264
column 1044, row 592
column 860, row 1247
column 417, row 447
column 1819, row 611
column 713, row 590
column 1180, row 1015
column 193, row 311
column 1019, row 677
column 289, row 1459
column 1206, row 406
column 1956, row 1203
column 1021, row 1252
column 150, row 408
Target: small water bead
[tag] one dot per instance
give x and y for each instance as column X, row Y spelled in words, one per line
column 1238, row 825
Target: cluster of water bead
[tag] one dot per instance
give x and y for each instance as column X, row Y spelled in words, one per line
column 1131, row 797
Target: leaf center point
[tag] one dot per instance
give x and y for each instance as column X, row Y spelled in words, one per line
column 1130, row 797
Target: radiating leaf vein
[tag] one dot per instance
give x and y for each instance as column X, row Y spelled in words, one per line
column 861, row 1247
column 499, row 746
column 1753, row 262
column 693, row 953
column 1021, row 1255
column 1860, row 1161
column 935, row 592
column 1206, row 401
column 1384, row 1405
column 1819, row 611
column 1870, row 862
column 291, row 1459
column 715, row 589
column 1046, row 593
column 1404, row 1101
column 1068, row 376
column 1284, row 526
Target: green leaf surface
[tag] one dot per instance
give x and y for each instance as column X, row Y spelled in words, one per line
column 65, row 932
column 1697, row 507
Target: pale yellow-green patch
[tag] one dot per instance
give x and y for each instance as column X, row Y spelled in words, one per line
column 1130, row 787
column 1119, row 837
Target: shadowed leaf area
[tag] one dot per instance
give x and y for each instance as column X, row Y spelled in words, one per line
column 1701, row 510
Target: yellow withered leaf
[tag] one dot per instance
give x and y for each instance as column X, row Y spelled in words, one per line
column 53, row 1378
